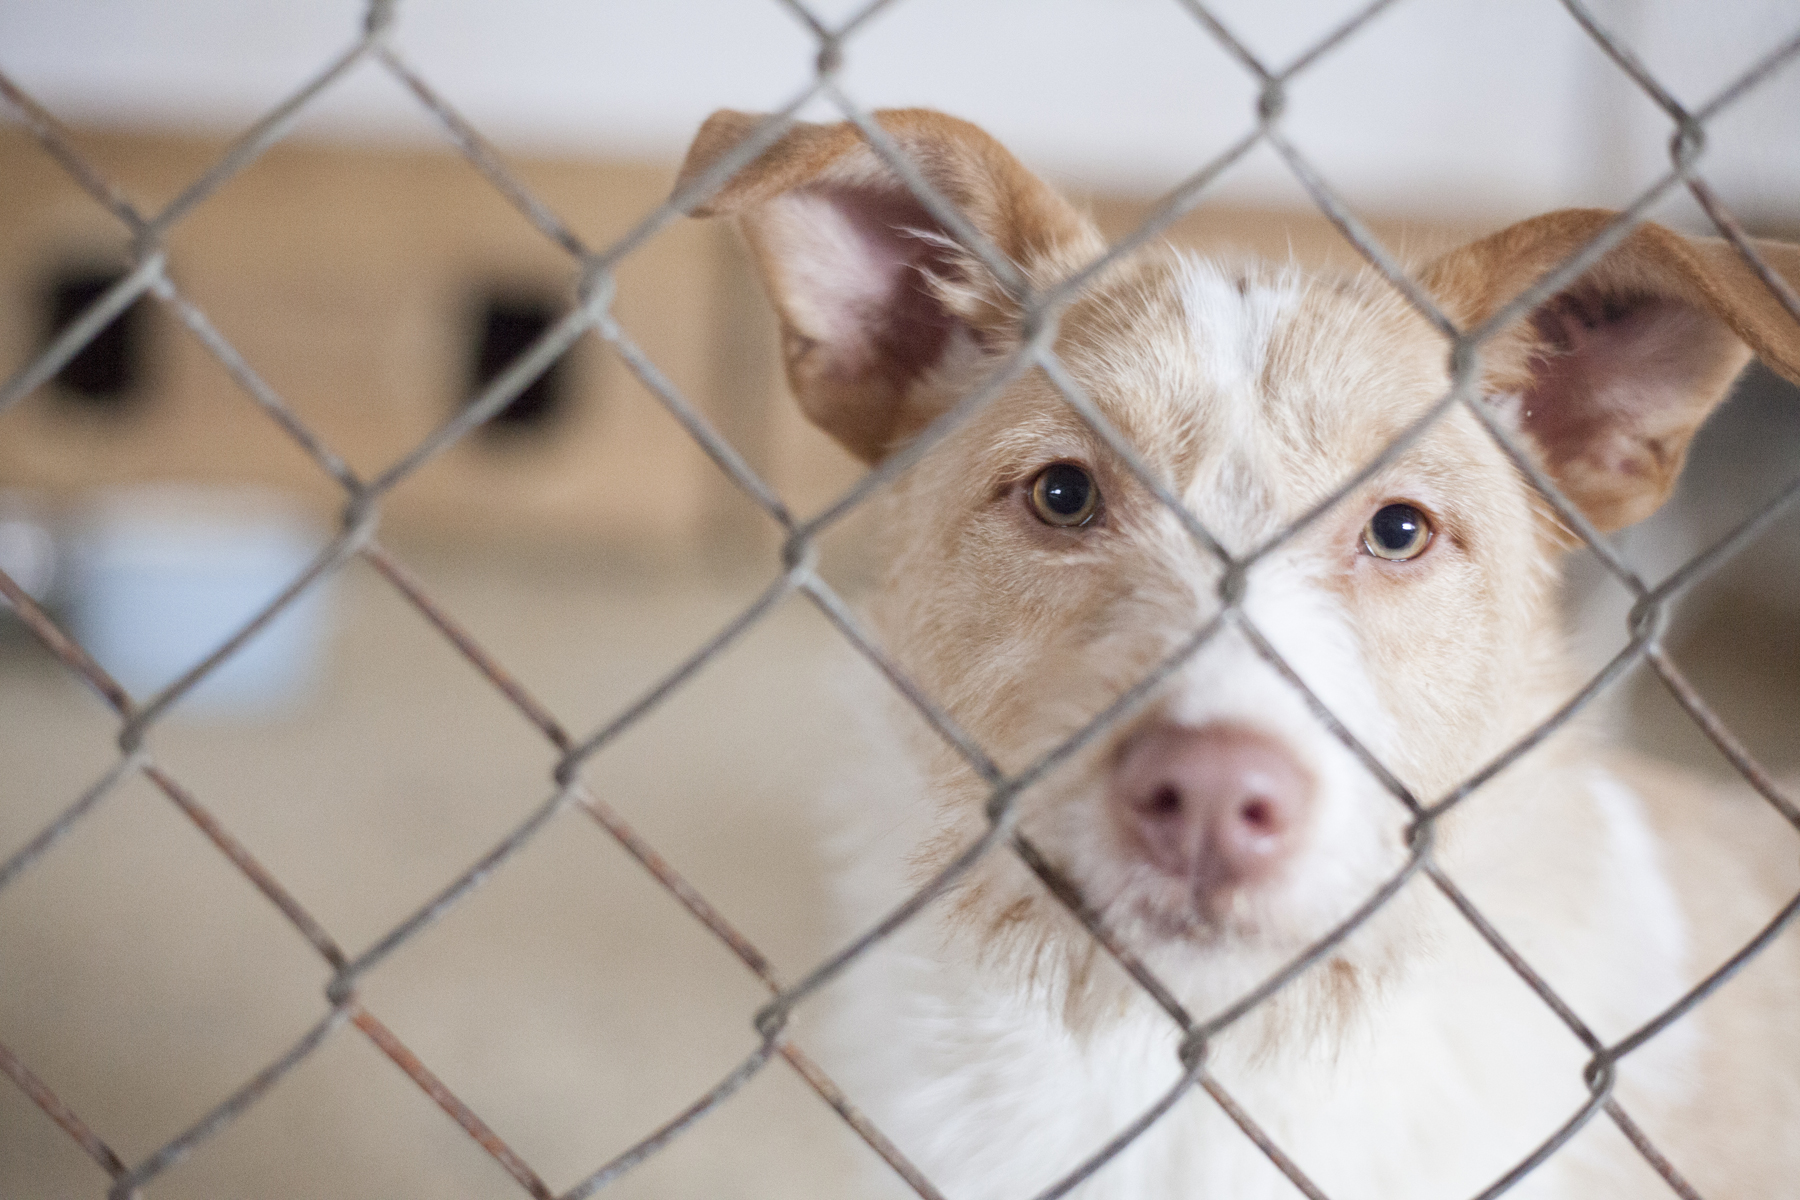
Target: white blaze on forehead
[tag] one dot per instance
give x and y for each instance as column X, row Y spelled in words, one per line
column 1243, row 468
column 1232, row 319
column 1243, row 471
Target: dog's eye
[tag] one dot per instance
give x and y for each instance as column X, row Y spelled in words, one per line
column 1397, row 532
column 1064, row 494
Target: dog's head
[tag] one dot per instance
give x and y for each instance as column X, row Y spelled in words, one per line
column 1034, row 579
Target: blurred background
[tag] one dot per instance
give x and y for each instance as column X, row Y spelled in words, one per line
column 376, row 281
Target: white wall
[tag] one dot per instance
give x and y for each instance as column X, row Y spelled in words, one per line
column 1498, row 105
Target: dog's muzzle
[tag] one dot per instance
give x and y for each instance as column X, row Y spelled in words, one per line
column 1221, row 807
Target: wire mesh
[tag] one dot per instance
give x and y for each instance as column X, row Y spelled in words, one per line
column 362, row 498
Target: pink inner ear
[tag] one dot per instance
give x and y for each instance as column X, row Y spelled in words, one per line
column 857, row 263
column 1621, row 381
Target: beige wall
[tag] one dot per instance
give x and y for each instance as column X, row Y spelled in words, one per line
column 347, row 278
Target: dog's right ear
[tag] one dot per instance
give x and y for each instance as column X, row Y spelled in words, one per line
column 875, row 295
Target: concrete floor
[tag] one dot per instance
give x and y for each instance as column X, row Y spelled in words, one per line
column 570, row 1001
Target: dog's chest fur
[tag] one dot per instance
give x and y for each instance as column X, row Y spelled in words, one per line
column 1441, row 1083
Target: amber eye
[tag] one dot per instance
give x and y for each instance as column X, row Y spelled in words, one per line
column 1064, row 494
column 1397, row 532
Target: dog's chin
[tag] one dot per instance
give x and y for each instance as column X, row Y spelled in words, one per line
column 1209, row 951
column 1212, row 952
column 1171, row 915
column 1189, row 921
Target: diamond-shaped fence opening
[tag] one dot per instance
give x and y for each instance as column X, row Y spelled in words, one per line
column 399, row 988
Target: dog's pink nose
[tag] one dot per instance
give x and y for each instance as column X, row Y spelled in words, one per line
column 1221, row 805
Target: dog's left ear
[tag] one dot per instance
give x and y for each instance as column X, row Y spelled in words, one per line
column 1614, row 374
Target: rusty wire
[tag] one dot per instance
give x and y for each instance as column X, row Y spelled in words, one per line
column 594, row 268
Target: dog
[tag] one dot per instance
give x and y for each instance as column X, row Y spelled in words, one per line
column 1220, row 823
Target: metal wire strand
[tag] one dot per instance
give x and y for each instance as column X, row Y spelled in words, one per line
column 594, row 271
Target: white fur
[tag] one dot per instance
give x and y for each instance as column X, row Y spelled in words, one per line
column 1221, row 827
column 996, row 1094
column 1231, row 320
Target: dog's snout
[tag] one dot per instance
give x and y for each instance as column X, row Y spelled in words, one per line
column 1220, row 805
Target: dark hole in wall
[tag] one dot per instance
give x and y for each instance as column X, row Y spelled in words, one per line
column 506, row 326
column 107, row 374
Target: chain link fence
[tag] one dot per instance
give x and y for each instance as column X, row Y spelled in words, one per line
column 344, row 1009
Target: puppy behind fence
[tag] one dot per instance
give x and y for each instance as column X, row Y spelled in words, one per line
column 1001, row 835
